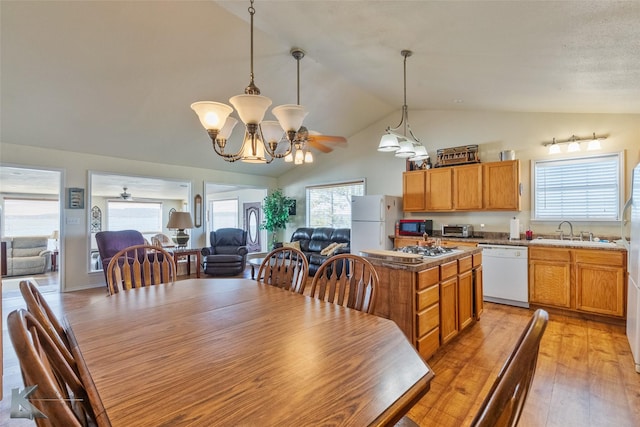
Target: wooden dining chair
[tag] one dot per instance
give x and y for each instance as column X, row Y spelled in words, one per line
column 60, row 395
column 38, row 307
column 285, row 268
column 138, row 266
column 504, row 402
column 348, row 280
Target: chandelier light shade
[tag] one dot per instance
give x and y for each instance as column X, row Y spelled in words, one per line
column 400, row 139
column 259, row 143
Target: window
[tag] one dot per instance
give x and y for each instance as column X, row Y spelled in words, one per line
column 581, row 189
column 146, row 217
column 225, row 213
column 31, row 217
column 330, row 205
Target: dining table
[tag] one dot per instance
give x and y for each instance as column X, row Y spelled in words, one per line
column 237, row 352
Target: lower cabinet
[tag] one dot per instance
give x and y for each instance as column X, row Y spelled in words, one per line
column 581, row 280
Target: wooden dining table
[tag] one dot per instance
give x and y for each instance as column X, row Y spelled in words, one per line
column 241, row 353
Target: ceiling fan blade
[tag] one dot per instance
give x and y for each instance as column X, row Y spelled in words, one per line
column 319, row 146
column 337, row 140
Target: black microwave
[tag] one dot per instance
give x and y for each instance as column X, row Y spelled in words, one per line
column 415, row 227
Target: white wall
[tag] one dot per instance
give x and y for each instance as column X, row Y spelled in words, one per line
column 492, row 132
column 74, row 244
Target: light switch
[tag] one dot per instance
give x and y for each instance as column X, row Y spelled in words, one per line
column 73, row 221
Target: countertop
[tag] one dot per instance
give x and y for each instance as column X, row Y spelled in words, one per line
column 428, row 263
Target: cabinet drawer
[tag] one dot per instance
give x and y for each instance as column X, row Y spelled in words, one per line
column 465, row 264
column 427, row 320
column 550, row 254
column 427, row 297
column 428, row 278
column 428, row 344
column 477, row 259
column 449, row 269
column 600, row 257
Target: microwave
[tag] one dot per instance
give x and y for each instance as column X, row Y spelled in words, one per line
column 415, row 227
column 458, row 230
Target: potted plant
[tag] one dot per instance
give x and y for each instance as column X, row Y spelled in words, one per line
column 276, row 213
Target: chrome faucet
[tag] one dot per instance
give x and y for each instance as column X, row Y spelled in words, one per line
column 570, row 230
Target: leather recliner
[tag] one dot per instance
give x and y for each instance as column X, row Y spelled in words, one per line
column 227, row 255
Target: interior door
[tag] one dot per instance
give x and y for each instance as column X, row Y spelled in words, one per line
column 252, row 225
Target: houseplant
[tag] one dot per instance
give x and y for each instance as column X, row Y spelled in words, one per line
column 276, row 212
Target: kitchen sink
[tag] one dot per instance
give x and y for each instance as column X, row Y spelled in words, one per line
column 567, row 242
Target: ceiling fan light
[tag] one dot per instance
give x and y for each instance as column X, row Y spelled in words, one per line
column 290, row 116
column 420, row 153
column 298, row 158
column 271, row 130
column 388, row 143
column 212, row 115
column 308, row 157
column 251, row 108
column 406, row 150
column 288, row 158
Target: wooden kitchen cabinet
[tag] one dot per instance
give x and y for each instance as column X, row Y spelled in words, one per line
column 550, row 276
column 465, row 292
column 448, row 309
column 439, row 196
column 402, row 241
column 414, row 188
column 427, row 331
column 501, row 185
column 467, row 187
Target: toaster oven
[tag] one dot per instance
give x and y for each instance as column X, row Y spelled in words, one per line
column 457, row 230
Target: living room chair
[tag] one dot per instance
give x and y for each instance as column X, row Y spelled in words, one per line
column 162, row 240
column 227, row 255
column 348, row 280
column 504, row 402
column 111, row 242
column 138, row 266
column 285, row 268
column 60, row 393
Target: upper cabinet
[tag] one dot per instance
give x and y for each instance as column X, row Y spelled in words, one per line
column 482, row 186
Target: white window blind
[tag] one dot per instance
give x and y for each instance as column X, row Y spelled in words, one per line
column 330, row 205
column 225, row 213
column 586, row 189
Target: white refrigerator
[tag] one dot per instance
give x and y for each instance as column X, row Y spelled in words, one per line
column 633, row 261
column 373, row 220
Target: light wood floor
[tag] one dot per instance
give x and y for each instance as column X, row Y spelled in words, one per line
column 585, row 373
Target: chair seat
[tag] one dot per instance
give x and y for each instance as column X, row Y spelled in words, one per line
column 222, row 258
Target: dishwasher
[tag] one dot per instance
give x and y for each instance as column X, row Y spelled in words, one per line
column 505, row 274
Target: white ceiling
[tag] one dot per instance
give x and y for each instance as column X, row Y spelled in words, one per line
column 116, row 78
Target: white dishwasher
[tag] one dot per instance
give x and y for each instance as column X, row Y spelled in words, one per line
column 505, row 274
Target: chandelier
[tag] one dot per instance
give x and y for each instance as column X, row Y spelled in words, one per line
column 261, row 138
column 404, row 144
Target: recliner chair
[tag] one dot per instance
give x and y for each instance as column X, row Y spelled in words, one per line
column 227, row 255
column 111, row 242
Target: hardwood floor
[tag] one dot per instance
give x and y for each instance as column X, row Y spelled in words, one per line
column 585, row 374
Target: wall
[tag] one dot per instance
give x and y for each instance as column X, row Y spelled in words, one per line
column 492, row 132
column 74, row 244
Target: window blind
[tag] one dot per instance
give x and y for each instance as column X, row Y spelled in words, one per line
column 585, row 189
column 330, row 205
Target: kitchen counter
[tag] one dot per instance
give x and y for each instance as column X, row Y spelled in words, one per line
column 427, row 262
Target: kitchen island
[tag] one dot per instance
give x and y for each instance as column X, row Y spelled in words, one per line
column 431, row 300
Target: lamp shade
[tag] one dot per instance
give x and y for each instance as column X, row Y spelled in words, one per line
column 251, row 108
column 180, row 221
column 55, row 235
column 406, row 150
column 290, row 116
column 388, row 143
column 226, row 130
column 253, row 150
column 212, row 115
column 271, row 130
column 421, row 153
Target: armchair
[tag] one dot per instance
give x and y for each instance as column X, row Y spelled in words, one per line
column 110, row 242
column 227, row 255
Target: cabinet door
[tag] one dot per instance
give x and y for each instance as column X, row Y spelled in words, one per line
column 478, row 295
column 413, row 191
column 600, row 289
column 467, row 187
column 550, row 283
column 439, row 189
column 448, row 309
column 501, row 185
column 465, row 299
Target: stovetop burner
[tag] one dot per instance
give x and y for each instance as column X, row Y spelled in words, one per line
column 427, row 251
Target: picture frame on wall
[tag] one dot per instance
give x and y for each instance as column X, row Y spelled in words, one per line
column 197, row 211
column 75, row 198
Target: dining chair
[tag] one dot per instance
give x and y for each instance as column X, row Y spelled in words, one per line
column 285, row 268
column 38, row 307
column 348, row 280
column 504, row 402
column 138, row 266
column 60, row 395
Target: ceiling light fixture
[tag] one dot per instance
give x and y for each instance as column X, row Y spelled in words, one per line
column 573, row 144
column 302, row 154
column 404, row 144
column 261, row 139
column 124, row 195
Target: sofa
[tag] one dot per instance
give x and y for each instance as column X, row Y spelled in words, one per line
column 26, row 255
column 313, row 241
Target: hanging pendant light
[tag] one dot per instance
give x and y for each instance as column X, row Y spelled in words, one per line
column 251, row 107
column 405, row 144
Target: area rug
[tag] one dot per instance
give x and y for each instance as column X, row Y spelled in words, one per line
column 14, row 284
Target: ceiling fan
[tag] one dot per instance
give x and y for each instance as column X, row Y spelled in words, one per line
column 304, row 137
column 124, row 195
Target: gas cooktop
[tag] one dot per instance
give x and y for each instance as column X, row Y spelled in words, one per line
column 428, row 251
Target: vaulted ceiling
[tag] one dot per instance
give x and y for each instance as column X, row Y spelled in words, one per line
column 117, row 78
